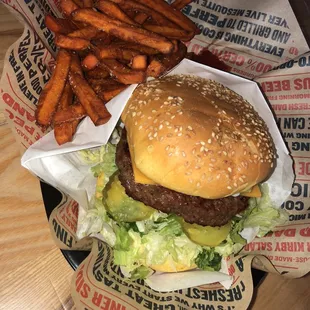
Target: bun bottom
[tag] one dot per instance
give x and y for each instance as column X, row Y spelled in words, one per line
column 171, row 266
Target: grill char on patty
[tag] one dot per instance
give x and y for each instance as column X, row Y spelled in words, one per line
column 205, row 212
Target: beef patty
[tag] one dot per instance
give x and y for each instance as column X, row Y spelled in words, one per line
column 206, row 212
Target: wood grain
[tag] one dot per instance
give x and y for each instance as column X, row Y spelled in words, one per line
column 34, row 274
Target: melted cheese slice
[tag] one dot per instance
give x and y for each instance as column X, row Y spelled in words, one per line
column 140, row 177
column 253, row 192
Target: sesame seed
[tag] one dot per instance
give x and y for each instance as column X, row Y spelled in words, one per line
column 228, row 187
column 170, row 154
column 229, row 169
column 183, row 154
column 160, row 126
column 209, row 141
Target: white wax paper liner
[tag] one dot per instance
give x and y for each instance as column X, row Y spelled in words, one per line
column 60, row 167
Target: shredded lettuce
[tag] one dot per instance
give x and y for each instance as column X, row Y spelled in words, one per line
column 160, row 237
column 262, row 213
column 209, row 260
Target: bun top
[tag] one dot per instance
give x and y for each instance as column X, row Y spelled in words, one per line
column 197, row 137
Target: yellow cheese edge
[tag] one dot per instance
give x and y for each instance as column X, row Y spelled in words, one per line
column 253, row 192
column 140, row 177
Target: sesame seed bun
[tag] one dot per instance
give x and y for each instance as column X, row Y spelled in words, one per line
column 197, row 137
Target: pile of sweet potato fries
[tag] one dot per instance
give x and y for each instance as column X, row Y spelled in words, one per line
column 105, row 46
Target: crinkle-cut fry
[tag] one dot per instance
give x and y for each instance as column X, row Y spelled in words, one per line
column 73, row 112
column 52, row 92
column 122, row 73
column 64, row 132
column 88, row 3
column 162, row 63
column 121, row 53
column 98, row 73
column 122, row 30
column 139, row 62
column 180, row 4
column 170, row 33
column 75, row 44
column 128, row 5
column 137, row 47
column 90, row 62
column 113, row 10
column 87, row 33
column 170, row 13
column 68, row 6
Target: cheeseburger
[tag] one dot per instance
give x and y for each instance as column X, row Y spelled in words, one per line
column 185, row 178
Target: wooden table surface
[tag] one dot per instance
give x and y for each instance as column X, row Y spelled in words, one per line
column 33, row 272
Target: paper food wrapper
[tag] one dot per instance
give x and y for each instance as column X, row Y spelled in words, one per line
column 259, row 40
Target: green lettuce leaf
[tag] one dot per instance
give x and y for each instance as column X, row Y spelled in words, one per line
column 263, row 214
column 209, row 260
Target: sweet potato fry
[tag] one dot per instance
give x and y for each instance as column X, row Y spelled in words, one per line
column 78, row 3
column 180, row 4
column 87, row 33
column 170, row 13
column 141, row 18
column 76, row 65
column 73, row 112
column 170, row 33
column 58, row 25
column 64, row 132
column 131, row 5
column 92, row 104
column 100, row 84
column 52, row 92
column 122, row 30
column 107, row 94
column 139, row 62
column 66, row 98
column 136, row 47
column 68, row 6
column 88, row 3
column 114, row 11
column 116, row 52
column 90, row 62
column 122, row 73
column 75, row 44
column 162, row 63
column 98, row 73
